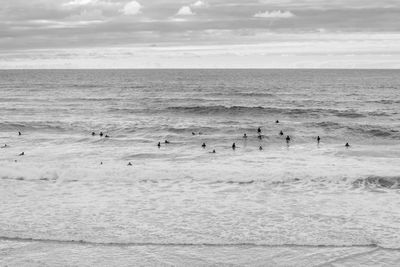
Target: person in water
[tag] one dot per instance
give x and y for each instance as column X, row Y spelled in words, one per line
column 129, row 164
column 260, row 148
column 213, row 152
column 259, row 130
column 107, row 136
column 260, row 136
column 281, row 133
column 159, row 144
column 318, row 139
column 193, row 133
column 101, row 134
column 5, row 145
column 245, row 136
column 93, row 133
column 19, row 133
column 22, row 154
column 277, row 121
column 233, row 146
column 203, row 145
column 166, row 141
column 287, row 139
column 347, row 145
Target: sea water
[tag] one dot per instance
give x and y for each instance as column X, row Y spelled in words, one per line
column 72, row 199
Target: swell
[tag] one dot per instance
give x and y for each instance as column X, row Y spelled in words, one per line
column 51, row 126
column 200, row 244
column 362, row 129
column 259, row 110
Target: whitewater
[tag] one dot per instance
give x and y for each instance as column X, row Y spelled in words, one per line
column 72, row 199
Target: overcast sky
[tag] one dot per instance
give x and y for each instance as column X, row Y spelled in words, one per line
column 190, row 34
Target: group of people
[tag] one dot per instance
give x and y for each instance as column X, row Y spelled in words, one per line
column 260, row 136
column 259, row 131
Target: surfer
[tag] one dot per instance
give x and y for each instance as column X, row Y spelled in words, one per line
column 318, row 139
column 166, row 141
column 347, row 145
column 193, row 133
column 260, row 136
column 245, row 136
column 159, row 144
column 281, row 133
column 93, row 133
column 203, row 145
column 259, row 130
column 213, row 152
column 233, row 146
column 21, row 154
column 260, row 148
column 19, row 133
column 129, row 164
column 107, row 136
column 101, row 134
column 277, row 121
column 5, row 145
column 287, row 139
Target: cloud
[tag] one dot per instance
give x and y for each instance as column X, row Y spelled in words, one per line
column 199, row 4
column 275, row 14
column 132, row 8
column 185, row 11
column 80, row 2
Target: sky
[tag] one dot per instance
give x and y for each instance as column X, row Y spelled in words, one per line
column 199, row 34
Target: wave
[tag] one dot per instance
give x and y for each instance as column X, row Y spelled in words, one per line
column 364, row 129
column 387, row 182
column 390, row 182
column 259, row 110
column 384, row 101
column 56, row 126
column 200, row 244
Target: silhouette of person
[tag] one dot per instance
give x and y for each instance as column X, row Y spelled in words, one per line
column 347, row 145
column 318, row 139
column 101, row 134
column 233, row 146
column 129, row 164
column 281, row 133
column 287, row 139
column 260, row 148
column 277, row 121
column 166, row 141
column 19, row 133
column 159, row 144
column 93, row 133
column 203, row 145
column 259, row 130
column 245, row 136
column 23, row 153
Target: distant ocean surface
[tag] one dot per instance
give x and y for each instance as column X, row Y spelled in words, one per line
column 296, row 204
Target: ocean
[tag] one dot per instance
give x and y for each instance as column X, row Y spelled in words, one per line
column 72, row 199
